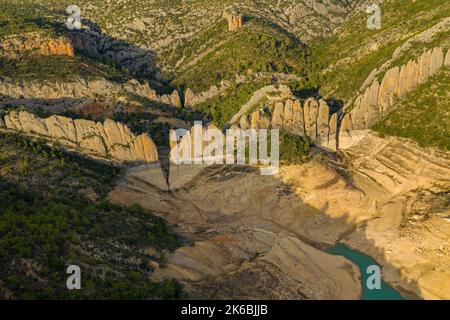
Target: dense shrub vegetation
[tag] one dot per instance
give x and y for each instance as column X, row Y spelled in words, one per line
column 54, row 214
column 293, row 148
column 423, row 115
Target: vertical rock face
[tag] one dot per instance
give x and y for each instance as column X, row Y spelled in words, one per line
column 322, row 119
column 424, row 66
column 447, row 59
column 56, row 47
column 297, row 119
column 346, row 125
column 388, row 89
column 437, row 60
column 264, row 121
column 243, row 123
column 189, row 96
column 235, row 20
column 378, row 99
column 288, row 114
column 313, row 113
column 255, row 120
column 277, row 116
column 313, row 120
column 191, row 99
column 333, row 125
column 408, row 78
column 109, row 140
column 16, row 45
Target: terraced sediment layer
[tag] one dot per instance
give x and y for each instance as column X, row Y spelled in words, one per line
column 380, row 197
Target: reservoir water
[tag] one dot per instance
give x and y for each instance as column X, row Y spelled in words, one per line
column 363, row 261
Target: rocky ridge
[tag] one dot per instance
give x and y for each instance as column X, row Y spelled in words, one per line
column 84, row 88
column 108, row 140
column 378, row 98
column 272, row 107
column 17, row 45
column 339, row 129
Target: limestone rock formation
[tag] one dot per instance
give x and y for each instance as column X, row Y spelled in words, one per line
column 408, row 78
column 288, row 114
column 264, row 93
column 80, row 88
column 424, row 66
column 323, row 119
column 333, row 125
column 447, row 59
column 437, row 60
column 313, row 120
column 378, row 99
column 244, row 123
column 235, row 20
column 277, row 116
column 346, row 125
column 16, row 45
column 388, row 89
column 255, row 118
column 298, row 126
column 192, row 99
column 108, row 140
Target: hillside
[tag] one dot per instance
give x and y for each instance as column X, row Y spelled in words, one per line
column 54, row 213
column 86, row 176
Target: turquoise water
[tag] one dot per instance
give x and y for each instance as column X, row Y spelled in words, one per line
column 363, row 261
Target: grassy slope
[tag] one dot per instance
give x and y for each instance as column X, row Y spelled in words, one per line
column 423, row 115
column 54, row 213
column 398, row 17
column 258, row 46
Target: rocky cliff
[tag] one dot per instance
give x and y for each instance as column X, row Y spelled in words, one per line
column 90, row 43
column 379, row 97
column 17, row 45
column 235, row 20
column 84, row 88
column 272, row 107
column 109, row 140
column 341, row 129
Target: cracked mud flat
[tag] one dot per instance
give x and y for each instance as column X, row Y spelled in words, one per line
column 261, row 237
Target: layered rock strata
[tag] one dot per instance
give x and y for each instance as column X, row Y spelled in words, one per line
column 108, row 140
